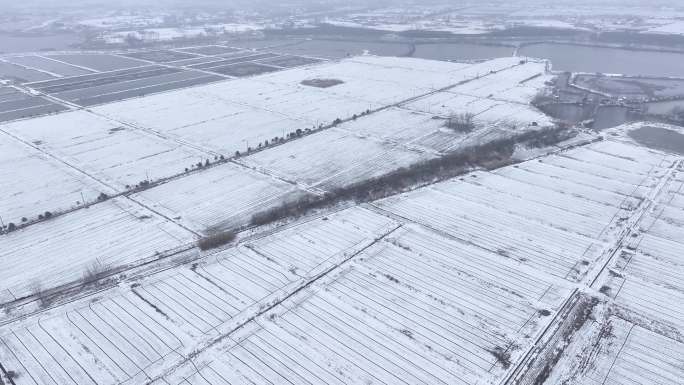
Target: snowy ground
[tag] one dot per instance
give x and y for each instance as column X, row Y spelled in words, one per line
column 413, row 131
column 50, row 186
column 230, row 116
column 451, row 283
column 398, row 291
column 337, row 157
column 115, row 147
column 59, row 251
column 222, row 197
column 109, row 151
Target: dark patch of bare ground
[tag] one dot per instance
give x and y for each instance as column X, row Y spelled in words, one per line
column 321, row 83
column 659, row 139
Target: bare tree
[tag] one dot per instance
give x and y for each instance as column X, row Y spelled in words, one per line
column 461, row 122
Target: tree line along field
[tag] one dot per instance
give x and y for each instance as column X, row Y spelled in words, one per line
column 438, row 285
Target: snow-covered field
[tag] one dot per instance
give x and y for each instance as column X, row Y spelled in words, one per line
column 562, row 228
column 116, row 146
column 133, row 334
column 646, row 275
column 501, row 98
column 617, row 351
column 452, row 283
column 116, row 154
column 335, row 158
column 399, row 137
column 51, row 66
column 59, row 251
column 405, row 313
column 449, row 284
column 414, row 306
column 230, row 116
column 49, row 186
column 222, row 197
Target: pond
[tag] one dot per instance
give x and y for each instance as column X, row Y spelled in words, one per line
column 659, row 139
column 573, row 113
column 577, row 58
column 664, row 107
column 610, row 116
column 604, row 116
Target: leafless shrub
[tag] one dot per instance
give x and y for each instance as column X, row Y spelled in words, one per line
column 37, row 291
column 215, row 240
column 502, row 356
column 95, row 271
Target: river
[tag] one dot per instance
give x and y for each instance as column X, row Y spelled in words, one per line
column 578, row 58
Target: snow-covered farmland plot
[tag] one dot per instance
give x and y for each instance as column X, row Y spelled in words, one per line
column 98, row 62
column 51, row 66
column 381, row 142
column 519, row 84
column 110, row 234
column 562, row 227
column 412, row 130
column 335, row 158
column 128, row 336
column 389, row 80
column 231, row 116
column 117, row 155
column 309, row 248
column 621, row 352
column 647, row 274
column 111, row 341
column 222, row 197
column 495, row 99
column 33, row 183
column 415, row 308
